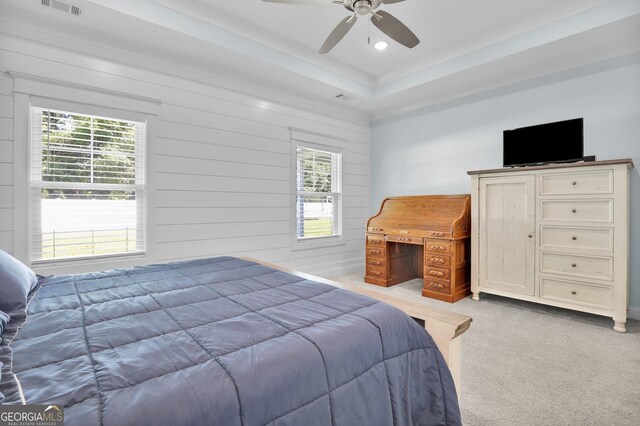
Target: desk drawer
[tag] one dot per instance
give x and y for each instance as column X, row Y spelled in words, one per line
column 438, row 286
column 437, row 246
column 376, row 272
column 375, row 240
column 437, row 260
column 431, row 272
column 595, row 211
column 439, row 234
column 593, row 182
column 405, row 239
column 557, row 237
column 577, row 293
column 375, row 252
column 377, row 262
column 599, row 268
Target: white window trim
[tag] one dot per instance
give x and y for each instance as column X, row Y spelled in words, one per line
column 56, row 94
column 36, row 184
column 312, row 243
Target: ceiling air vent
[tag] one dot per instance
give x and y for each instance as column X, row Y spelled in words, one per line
column 62, row 6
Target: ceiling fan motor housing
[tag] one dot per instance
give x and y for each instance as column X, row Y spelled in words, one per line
column 363, row 7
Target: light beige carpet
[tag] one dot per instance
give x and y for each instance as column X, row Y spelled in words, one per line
column 529, row 364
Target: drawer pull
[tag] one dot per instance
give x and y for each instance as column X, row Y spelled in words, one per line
column 574, row 292
column 574, row 210
column 573, row 265
column 374, row 252
column 375, row 262
column 574, row 183
column 375, row 241
column 436, row 273
column 437, row 248
column 437, row 234
column 375, row 273
column 376, row 229
column 574, row 238
column 437, row 260
column 436, row 285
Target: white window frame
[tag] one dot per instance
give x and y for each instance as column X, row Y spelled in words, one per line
column 317, row 242
column 66, row 95
column 36, row 183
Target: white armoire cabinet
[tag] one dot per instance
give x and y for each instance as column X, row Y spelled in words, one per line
column 554, row 234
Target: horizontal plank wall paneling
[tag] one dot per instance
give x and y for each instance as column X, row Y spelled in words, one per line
column 221, row 162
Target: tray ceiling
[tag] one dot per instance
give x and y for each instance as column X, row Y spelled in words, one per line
column 467, row 46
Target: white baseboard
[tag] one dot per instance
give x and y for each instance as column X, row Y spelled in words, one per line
column 634, row 313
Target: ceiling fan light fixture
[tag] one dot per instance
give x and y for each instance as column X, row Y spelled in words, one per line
column 381, row 45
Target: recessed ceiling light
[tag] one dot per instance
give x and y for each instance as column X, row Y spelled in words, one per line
column 381, row 45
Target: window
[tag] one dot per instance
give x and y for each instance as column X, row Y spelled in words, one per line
column 318, row 194
column 87, row 186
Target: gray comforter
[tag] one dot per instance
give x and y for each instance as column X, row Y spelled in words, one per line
column 226, row 341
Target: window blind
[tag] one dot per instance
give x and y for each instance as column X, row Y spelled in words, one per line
column 319, row 193
column 87, row 186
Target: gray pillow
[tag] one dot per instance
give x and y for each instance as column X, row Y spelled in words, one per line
column 16, row 281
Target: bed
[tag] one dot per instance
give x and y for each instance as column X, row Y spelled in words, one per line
column 227, row 341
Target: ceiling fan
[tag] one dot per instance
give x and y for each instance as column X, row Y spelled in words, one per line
column 385, row 22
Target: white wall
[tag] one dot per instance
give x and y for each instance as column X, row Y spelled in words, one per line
column 430, row 152
column 220, row 164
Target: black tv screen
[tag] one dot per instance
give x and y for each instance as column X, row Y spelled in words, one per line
column 557, row 142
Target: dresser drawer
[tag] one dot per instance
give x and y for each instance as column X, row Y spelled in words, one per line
column 556, row 237
column 376, row 262
column 405, row 239
column 599, row 268
column 437, row 260
column 437, row 246
column 593, row 182
column 437, row 286
column 375, row 252
column 594, row 211
column 577, row 293
column 375, row 240
column 436, row 273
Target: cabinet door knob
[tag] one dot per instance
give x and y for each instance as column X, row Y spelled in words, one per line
column 574, row 183
column 574, row 292
column 574, row 238
column 574, row 210
column 530, row 235
column 573, row 265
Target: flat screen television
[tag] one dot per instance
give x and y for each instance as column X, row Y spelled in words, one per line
column 557, row 142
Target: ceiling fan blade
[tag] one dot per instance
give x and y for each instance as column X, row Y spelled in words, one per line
column 395, row 29
column 391, row 1
column 338, row 33
column 303, row 2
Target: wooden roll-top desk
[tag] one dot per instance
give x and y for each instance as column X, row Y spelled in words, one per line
column 425, row 236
